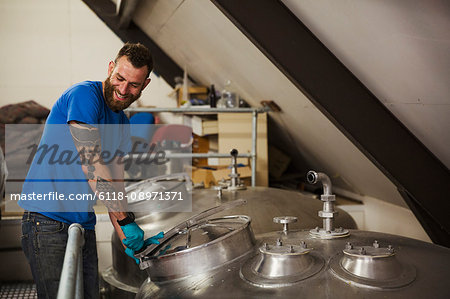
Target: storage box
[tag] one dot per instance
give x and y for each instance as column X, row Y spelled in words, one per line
column 200, row 145
column 200, row 175
column 197, row 92
column 201, row 125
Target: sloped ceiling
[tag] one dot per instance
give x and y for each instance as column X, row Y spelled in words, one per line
column 400, row 51
column 196, row 35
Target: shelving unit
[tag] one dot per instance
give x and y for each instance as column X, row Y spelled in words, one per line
column 191, row 110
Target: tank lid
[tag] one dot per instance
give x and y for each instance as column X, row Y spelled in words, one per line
column 374, row 251
column 189, row 223
column 214, row 241
column 200, row 234
column 280, row 264
column 200, row 247
column 372, row 266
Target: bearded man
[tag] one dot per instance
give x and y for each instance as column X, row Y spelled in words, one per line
column 87, row 119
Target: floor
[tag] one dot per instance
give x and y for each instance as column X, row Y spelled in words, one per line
column 19, row 290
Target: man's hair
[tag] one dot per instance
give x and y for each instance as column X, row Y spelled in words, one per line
column 138, row 54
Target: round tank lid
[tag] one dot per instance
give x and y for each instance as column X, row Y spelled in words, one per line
column 372, row 266
column 199, row 247
column 200, row 234
column 369, row 251
column 280, row 249
column 279, row 265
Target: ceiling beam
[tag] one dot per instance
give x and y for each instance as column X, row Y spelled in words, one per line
column 421, row 178
column 163, row 64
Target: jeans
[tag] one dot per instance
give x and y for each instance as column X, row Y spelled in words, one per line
column 44, row 244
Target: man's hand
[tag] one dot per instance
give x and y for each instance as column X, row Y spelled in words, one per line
column 134, row 236
column 152, row 240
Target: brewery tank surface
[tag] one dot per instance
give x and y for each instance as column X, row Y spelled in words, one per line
column 221, row 257
column 296, row 264
column 123, row 278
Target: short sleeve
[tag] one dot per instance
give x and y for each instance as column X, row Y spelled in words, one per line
column 83, row 105
column 125, row 145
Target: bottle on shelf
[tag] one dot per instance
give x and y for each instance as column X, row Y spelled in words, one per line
column 212, row 97
column 229, row 99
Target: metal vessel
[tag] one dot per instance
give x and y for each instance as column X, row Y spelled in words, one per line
column 123, row 278
column 213, row 256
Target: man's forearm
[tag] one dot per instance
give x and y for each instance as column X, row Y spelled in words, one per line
column 88, row 144
column 117, row 228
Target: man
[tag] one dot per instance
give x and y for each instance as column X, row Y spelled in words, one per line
column 80, row 121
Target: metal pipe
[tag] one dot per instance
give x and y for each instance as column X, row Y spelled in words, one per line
column 183, row 155
column 253, row 153
column 70, row 275
column 79, row 289
column 313, row 177
column 234, row 177
column 328, row 224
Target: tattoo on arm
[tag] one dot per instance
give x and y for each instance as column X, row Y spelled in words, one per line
column 87, row 141
column 107, row 187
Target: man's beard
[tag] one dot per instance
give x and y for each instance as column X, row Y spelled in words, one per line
column 116, row 105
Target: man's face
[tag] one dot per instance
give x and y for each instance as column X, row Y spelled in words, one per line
column 124, row 84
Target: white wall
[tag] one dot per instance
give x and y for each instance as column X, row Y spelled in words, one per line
column 380, row 216
column 48, row 45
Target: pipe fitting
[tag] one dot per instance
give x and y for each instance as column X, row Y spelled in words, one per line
column 328, row 213
column 313, row 177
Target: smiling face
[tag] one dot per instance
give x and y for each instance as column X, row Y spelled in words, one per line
column 124, row 83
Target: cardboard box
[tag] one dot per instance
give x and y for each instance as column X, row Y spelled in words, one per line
column 198, row 92
column 200, row 145
column 200, row 175
column 201, row 125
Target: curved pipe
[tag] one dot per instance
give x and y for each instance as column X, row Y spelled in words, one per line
column 313, row 177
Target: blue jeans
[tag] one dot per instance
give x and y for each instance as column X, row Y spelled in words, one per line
column 44, row 244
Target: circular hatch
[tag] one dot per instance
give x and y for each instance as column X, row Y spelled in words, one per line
column 189, row 248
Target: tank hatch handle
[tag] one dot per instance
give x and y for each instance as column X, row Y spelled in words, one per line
column 285, row 220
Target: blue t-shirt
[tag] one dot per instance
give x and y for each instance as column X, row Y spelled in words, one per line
column 56, row 168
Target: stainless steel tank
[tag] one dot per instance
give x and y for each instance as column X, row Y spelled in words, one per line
column 211, row 256
column 123, row 278
column 295, row 264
